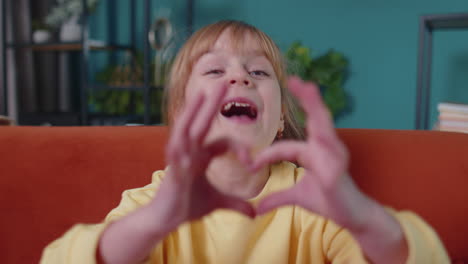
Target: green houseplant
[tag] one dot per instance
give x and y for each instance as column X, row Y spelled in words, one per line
column 126, row 102
column 328, row 71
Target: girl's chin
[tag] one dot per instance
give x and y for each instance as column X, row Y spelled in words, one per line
column 244, row 137
column 247, row 137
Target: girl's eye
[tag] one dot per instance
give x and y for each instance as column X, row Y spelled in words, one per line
column 215, row 71
column 259, row 73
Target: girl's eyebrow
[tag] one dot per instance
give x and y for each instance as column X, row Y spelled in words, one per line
column 207, row 54
column 254, row 55
column 207, row 58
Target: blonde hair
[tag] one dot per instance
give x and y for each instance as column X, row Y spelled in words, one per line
column 201, row 42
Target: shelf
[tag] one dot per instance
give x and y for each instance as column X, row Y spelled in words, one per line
column 101, row 116
column 428, row 24
column 73, row 119
column 50, row 118
column 65, row 46
column 99, row 119
column 450, row 21
column 100, row 87
column 81, row 92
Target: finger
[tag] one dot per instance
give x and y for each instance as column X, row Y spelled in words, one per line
column 287, row 197
column 207, row 113
column 284, row 150
column 181, row 127
column 237, row 204
column 319, row 121
column 185, row 119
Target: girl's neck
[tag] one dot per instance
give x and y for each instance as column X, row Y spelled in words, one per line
column 230, row 176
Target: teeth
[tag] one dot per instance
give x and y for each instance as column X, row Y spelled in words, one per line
column 230, row 104
column 242, row 104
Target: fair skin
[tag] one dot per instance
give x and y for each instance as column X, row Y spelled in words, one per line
column 209, row 155
column 250, row 78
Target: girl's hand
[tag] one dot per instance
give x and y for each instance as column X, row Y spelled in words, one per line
column 185, row 193
column 325, row 188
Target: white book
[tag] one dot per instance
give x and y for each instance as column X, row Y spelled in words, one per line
column 452, row 123
column 453, row 116
column 452, row 107
column 454, row 129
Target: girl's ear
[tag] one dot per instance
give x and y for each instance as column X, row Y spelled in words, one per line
column 281, row 126
column 279, row 133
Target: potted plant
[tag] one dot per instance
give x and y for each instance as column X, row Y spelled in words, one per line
column 66, row 15
column 130, row 105
column 41, row 32
column 328, row 71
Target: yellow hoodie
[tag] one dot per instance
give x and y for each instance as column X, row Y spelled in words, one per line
column 285, row 235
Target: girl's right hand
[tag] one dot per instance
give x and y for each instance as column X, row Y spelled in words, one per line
column 185, row 193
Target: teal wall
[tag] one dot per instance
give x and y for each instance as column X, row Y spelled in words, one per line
column 379, row 37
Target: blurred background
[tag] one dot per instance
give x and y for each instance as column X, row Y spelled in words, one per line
column 103, row 62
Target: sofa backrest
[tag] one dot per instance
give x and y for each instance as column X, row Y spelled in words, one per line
column 54, row 177
column 422, row 171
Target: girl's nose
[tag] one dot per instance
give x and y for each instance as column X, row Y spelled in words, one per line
column 244, row 81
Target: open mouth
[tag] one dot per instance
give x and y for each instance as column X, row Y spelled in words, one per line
column 239, row 108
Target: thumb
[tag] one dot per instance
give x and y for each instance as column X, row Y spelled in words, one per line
column 276, row 200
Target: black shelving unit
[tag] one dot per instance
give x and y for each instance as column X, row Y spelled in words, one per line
column 427, row 25
column 84, row 47
column 4, row 110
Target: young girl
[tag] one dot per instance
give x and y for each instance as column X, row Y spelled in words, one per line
column 229, row 194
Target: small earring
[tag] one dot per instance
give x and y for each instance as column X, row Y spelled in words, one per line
column 279, row 134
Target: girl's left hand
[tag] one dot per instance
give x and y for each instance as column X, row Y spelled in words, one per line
column 325, row 189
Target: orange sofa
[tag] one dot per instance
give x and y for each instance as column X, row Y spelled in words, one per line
column 53, row 177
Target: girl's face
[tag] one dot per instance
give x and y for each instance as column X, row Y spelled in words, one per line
column 251, row 111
